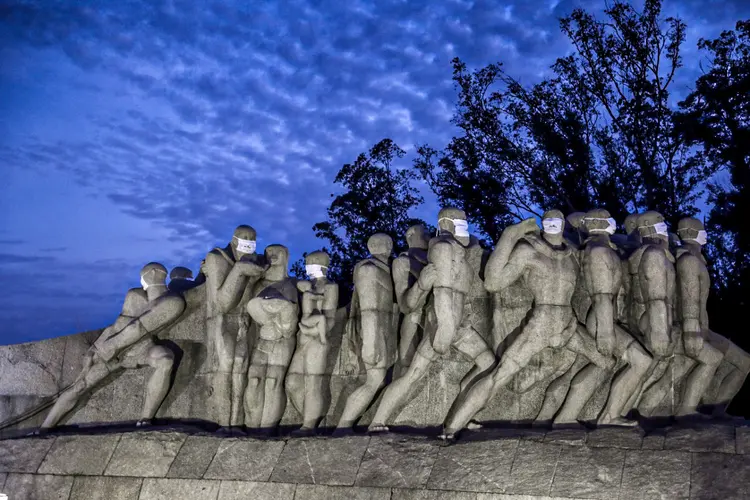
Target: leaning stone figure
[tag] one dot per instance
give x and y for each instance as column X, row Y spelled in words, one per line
column 231, row 274
column 129, row 343
column 406, row 269
column 451, row 315
column 307, row 373
column 549, row 266
column 371, row 330
column 602, row 278
column 275, row 311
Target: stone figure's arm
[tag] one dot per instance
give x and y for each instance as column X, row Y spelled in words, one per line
column 367, row 279
column 498, row 278
column 688, row 280
column 416, row 295
column 655, row 323
column 330, row 305
column 257, row 311
column 136, row 301
column 604, row 272
column 400, row 271
column 504, row 248
column 229, row 282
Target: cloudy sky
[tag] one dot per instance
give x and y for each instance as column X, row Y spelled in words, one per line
column 133, row 131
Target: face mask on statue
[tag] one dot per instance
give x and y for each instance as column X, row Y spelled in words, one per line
column 315, row 270
column 611, row 225
column 144, row 284
column 460, row 227
column 553, row 225
column 702, row 237
column 245, row 246
column 661, row 228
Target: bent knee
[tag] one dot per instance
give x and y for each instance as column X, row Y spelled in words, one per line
column 485, row 360
column 160, row 357
column 710, row 355
column 638, row 357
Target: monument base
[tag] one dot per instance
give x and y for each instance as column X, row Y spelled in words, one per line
column 710, row 460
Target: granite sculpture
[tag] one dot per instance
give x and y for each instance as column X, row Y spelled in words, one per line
column 568, row 323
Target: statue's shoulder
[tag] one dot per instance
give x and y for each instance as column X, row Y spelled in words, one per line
column 136, row 300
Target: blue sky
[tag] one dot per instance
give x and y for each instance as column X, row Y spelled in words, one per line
column 136, row 131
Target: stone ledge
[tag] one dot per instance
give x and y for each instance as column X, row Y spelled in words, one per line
column 490, row 464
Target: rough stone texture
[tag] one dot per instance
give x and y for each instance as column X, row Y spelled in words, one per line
column 147, row 454
column 573, row 437
column 320, row 492
column 474, row 466
column 720, row 476
column 242, row 490
column 616, row 437
column 184, row 489
column 713, row 438
column 32, row 368
column 106, row 488
column 23, row 455
column 194, row 457
column 533, row 468
column 656, row 474
column 37, row 487
column 3, row 476
column 92, row 455
column 742, row 434
column 397, row 462
column 588, row 472
column 406, row 494
column 320, row 461
column 654, row 440
column 245, row 459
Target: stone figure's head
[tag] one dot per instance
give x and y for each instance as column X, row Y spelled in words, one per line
column 651, row 225
column 153, row 274
column 181, row 273
column 277, row 255
column 691, row 230
column 575, row 219
column 574, row 229
column 553, row 225
column 599, row 221
column 630, row 223
column 417, row 237
column 380, row 245
column 243, row 241
column 454, row 221
column 316, row 264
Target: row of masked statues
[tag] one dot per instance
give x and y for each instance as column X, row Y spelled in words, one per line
column 626, row 303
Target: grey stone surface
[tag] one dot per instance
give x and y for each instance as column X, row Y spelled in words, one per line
column 194, row 457
column 411, row 494
column 707, row 438
column 245, row 459
column 244, row 490
column 719, row 476
column 533, row 468
column 106, row 488
column 616, row 437
column 584, row 472
column 3, row 476
column 573, row 437
column 184, row 489
column 23, row 455
column 742, row 435
column 481, row 466
column 79, row 455
column 656, row 474
column 32, row 368
column 320, row 460
column 37, row 487
column 320, row 492
column 397, row 462
column 654, row 440
column 147, row 454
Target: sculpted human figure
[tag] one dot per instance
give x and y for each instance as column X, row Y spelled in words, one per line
column 231, row 274
column 573, row 228
column 406, row 269
column 129, row 343
column 304, row 382
column 373, row 319
column 181, row 280
column 602, row 278
column 452, row 275
column 549, row 266
column 693, row 283
column 275, row 310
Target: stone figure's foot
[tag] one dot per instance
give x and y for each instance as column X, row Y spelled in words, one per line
column 448, row 435
column 304, row 432
column 473, row 425
column 374, row 428
column 617, row 421
column 343, row 432
column 144, row 422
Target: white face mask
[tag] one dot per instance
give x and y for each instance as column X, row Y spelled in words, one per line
column 661, row 228
column 460, row 226
column 315, row 270
column 552, row 225
column 144, row 284
column 245, row 246
column 701, row 238
column 610, row 229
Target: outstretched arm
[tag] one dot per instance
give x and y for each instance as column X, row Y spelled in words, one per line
column 230, row 282
column 498, row 278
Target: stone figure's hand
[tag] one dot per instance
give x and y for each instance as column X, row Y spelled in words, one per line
column 250, row 268
column 516, row 231
column 204, row 268
column 304, row 286
column 693, row 343
column 605, row 344
column 351, row 368
column 427, row 277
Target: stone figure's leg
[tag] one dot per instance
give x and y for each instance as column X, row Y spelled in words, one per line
column 239, row 377
column 555, row 395
column 731, row 383
column 582, row 387
column 445, row 306
column 221, row 353
column 408, row 339
column 315, row 372
column 295, row 380
column 274, row 398
column 473, row 346
column 69, row 398
column 729, row 388
column 699, row 379
column 161, row 359
column 361, row 398
column 255, row 391
column 625, row 385
column 652, row 397
column 655, row 372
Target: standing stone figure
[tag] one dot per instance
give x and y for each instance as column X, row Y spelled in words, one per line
column 411, row 300
column 371, row 328
column 602, row 277
column 231, row 274
column 304, row 382
column 452, row 320
column 275, row 310
column 548, row 264
column 693, row 283
column 127, row 344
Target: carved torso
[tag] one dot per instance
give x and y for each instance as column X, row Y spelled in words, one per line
column 701, row 280
column 637, row 300
column 373, row 285
column 551, row 275
column 457, row 273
